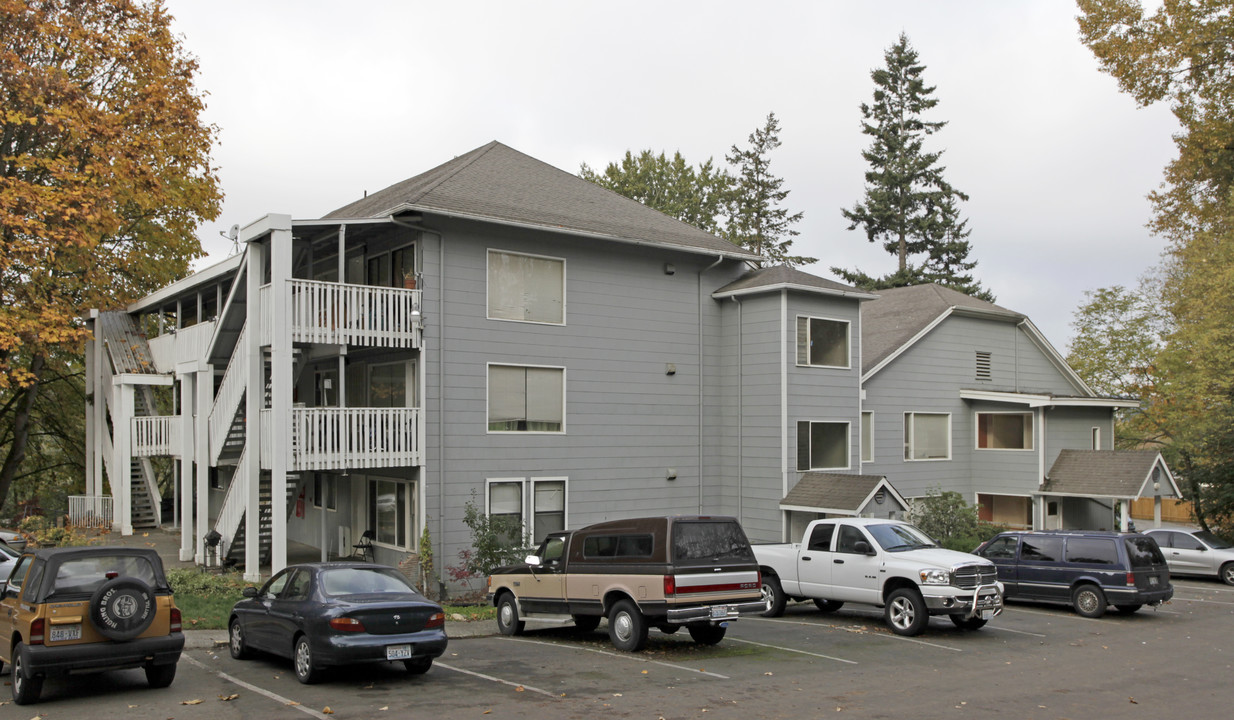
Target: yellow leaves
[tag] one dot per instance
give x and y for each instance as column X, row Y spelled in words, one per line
column 191, row 702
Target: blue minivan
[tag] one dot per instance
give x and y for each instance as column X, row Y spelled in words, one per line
column 1088, row 570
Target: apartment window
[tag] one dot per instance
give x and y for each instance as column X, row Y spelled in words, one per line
column 388, row 385
column 545, row 514
column 403, row 263
column 1096, row 438
column 325, row 491
column 526, row 399
column 530, row 288
column 1005, row 431
column 216, row 483
column 391, row 511
column 822, row 445
column 548, row 508
column 379, row 270
column 822, row 342
column 867, row 437
column 983, row 365
column 927, row 436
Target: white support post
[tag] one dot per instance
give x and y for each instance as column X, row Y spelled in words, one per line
column 92, row 397
column 204, row 386
column 185, row 465
column 122, row 457
column 280, row 390
column 254, row 398
column 1156, row 511
column 1125, row 507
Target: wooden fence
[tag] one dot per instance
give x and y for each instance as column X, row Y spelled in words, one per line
column 1172, row 511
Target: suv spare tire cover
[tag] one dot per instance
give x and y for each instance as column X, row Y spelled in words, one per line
column 122, row 608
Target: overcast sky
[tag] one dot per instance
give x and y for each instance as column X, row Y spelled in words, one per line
column 320, row 101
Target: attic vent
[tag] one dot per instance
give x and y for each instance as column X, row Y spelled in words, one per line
column 983, row 365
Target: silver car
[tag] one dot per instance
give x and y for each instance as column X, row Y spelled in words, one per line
column 1195, row 552
column 15, row 540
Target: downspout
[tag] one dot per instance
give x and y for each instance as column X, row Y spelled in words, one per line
column 441, row 390
column 699, row 288
column 741, row 377
column 784, row 466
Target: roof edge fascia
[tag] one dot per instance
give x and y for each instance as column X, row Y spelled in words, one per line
column 1035, row 400
column 201, row 277
column 904, row 348
column 1053, row 355
column 761, row 289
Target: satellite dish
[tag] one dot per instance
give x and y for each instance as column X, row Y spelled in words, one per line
column 234, row 236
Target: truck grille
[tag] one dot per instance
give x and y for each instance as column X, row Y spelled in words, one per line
column 970, row 576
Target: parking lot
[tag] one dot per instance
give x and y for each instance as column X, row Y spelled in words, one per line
column 1034, row 661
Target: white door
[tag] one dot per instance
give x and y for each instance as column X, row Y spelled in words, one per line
column 855, row 575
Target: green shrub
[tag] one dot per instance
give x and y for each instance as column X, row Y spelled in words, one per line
column 47, row 534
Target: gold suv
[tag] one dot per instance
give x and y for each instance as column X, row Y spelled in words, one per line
column 81, row 610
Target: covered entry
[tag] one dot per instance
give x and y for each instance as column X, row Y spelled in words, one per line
column 820, row 495
column 1093, row 489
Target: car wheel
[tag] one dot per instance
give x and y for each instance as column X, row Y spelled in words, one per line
column 1088, row 601
column 418, row 666
column 235, row 640
column 1227, row 573
column 773, row 597
column 302, row 660
column 26, row 687
column 669, row 628
column 706, row 633
column 1128, row 609
column 828, row 606
column 122, row 608
column 627, row 627
column 586, row 623
column 507, row 616
column 160, row 676
column 906, row 612
column 968, row 623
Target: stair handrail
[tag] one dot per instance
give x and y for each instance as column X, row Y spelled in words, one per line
column 227, row 402
column 147, row 470
column 227, row 524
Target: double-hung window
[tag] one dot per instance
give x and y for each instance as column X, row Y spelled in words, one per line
column 526, row 399
column 1005, row 431
column 529, row 288
column 391, row 511
column 822, row 342
column 927, row 436
column 537, row 505
column 822, row 445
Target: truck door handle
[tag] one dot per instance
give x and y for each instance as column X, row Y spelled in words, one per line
column 838, row 561
column 805, row 558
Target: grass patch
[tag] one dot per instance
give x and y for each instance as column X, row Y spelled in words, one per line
column 471, row 613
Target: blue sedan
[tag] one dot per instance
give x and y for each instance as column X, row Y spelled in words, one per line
column 340, row 613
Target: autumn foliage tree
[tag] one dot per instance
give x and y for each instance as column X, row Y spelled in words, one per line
column 104, row 178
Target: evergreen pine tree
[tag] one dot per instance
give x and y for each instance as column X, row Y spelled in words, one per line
column 908, row 204
column 757, row 222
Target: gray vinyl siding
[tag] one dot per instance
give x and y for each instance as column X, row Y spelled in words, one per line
column 1071, row 428
column 627, row 422
column 928, row 378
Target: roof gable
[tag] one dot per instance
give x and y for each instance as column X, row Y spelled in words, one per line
column 1110, row 474
column 499, row 184
column 839, row 493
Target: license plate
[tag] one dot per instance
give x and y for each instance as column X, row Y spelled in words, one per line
column 985, row 614
column 62, row 633
column 719, row 611
column 398, row 652
column 1152, row 581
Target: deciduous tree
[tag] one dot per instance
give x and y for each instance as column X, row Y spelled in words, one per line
column 104, row 177
column 909, row 206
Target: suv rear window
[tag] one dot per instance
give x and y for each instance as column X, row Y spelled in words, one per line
column 1143, row 552
column 1094, row 551
column 1041, row 549
column 710, row 541
column 88, row 573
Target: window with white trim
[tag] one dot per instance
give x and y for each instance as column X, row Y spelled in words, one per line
column 822, row 342
column 1004, row 431
column 927, row 436
column 543, row 511
column 325, row 491
column 526, row 399
column 822, row 445
column 391, row 511
column 867, row 437
column 528, row 288
column 1096, row 438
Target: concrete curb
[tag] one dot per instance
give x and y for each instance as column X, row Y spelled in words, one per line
column 209, row 639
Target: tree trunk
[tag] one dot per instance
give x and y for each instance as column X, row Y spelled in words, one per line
column 21, row 429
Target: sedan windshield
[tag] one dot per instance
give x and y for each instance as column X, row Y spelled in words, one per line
column 1212, row 541
column 359, row 581
column 897, row 538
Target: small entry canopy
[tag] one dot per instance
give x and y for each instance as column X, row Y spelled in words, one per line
column 840, row 494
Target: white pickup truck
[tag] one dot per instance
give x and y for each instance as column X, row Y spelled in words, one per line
column 887, row 563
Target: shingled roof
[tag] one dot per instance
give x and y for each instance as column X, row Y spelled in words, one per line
column 900, row 313
column 838, row 493
column 782, row 276
column 1109, row 474
column 499, row 184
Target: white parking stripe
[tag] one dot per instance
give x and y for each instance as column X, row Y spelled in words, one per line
column 624, row 657
column 803, row 652
column 260, row 691
column 851, row 628
column 1211, row 602
column 1200, row 587
column 1002, row 628
column 495, row 679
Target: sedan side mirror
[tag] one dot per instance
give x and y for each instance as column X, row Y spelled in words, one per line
column 249, row 591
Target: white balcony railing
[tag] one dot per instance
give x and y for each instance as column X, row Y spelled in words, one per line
column 90, row 511
column 348, row 438
column 184, row 345
column 156, row 435
column 227, row 402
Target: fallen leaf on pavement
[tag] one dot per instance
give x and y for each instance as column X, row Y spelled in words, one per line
column 190, row 702
column 327, row 711
column 1133, row 701
column 232, row 696
column 519, row 689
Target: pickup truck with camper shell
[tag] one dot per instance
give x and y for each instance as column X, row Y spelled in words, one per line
column 664, row 572
column 887, row 563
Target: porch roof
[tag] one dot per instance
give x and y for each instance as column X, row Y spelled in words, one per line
column 839, row 493
column 1116, row 474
